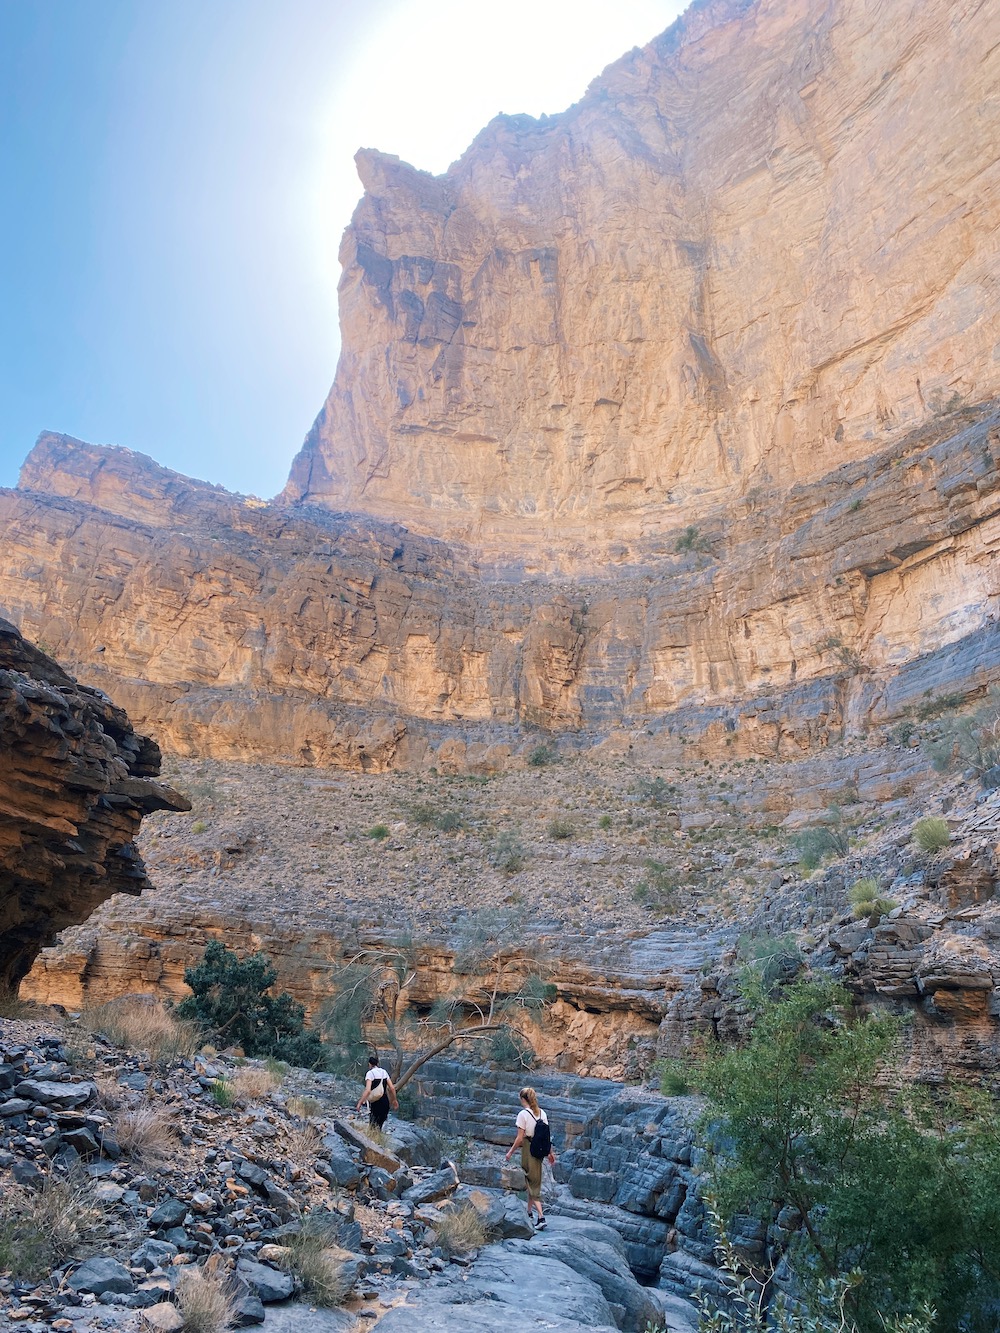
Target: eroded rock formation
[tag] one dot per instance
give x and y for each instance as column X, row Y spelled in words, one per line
column 75, row 782
column 758, row 249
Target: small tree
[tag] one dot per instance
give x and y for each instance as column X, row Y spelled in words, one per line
column 890, row 1190
column 502, row 967
column 230, row 999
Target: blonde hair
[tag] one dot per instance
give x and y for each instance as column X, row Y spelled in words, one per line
column 529, row 1095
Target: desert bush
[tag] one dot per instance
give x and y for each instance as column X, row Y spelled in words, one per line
column 896, row 1191
column 40, row 1229
column 772, row 958
column 674, row 1077
column 223, row 1093
column 866, row 901
column 303, row 1143
column 206, row 1300
column 303, row 1106
column 814, row 845
column 657, row 791
column 971, row 741
column 316, row 1258
column 252, row 1084
column 510, row 1049
column 231, row 997
column 428, row 815
column 542, row 755
column 460, row 1230
column 560, row 829
column 137, row 1023
column 931, row 833
column 507, row 853
column 658, row 887
column 692, row 540
column 605, row 822
column 199, row 826
column 146, row 1133
column 11, row 1005
column 378, row 831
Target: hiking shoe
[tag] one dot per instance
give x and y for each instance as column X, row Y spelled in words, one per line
column 541, row 1224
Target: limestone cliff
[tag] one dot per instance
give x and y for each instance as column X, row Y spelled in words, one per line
column 762, row 247
column 75, row 782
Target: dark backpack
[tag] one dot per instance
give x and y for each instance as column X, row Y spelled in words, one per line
column 541, row 1140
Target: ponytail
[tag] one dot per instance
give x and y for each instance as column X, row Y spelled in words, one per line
column 531, row 1097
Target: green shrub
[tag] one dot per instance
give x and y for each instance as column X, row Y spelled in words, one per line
column 658, row 887
column 510, row 1049
column 896, row 1192
column 692, row 540
column 231, row 999
column 674, row 1076
column 972, row 741
column 772, row 958
column 506, row 853
column 931, row 833
column 199, row 826
column 866, row 901
column 560, row 829
column 816, row 844
column 378, row 831
column 605, row 822
column 542, row 755
column 223, row 1092
column 428, row 815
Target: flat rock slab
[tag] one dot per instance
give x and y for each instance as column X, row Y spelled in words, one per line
column 372, row 1154
column 64, row 1095
column 101, row 1275
column 268, row 1283
column 294, row 1317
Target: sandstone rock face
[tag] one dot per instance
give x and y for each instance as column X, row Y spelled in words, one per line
column 759, row 249
column 75, row 782
column 241, row 630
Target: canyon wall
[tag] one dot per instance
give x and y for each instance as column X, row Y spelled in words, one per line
column 761, row 247
column 674, row 417
column 75, row 782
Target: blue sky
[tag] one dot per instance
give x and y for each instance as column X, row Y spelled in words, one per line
column 177, row 175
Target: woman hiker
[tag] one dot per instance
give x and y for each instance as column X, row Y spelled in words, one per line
column 379, row 1093
column 528, row 1119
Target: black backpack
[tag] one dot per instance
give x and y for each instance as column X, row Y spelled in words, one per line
column 541, row 1140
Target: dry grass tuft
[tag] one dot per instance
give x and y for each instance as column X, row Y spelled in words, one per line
column 303, row 1143
column 11, row 1006
column 136, row 1023
column 303, row 1106
column 205, row 1298
column 460, row 1230
column 146, row 1133
column 252, row 1085
column 40, row 1229
column 316, row 1259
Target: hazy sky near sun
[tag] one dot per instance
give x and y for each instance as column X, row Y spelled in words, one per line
column 176, row 177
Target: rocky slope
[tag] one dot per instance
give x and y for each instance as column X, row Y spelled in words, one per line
column 636, row 881
column 75, row 782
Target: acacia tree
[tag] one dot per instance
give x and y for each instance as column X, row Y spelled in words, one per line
column 895, row 1195
column 501, row 967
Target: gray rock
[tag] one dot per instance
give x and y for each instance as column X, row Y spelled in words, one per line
column 101, row 1275
column 298, row 1318
column 248, row 1308
column 170, row 1213
column 583, row 1248
column 341, row 1169
column 507, row 1219
column 8, row 1077
column 153, row 1254
column 83, row 1141
column 436, row 1186
column 266, row 1282
column 27, row 1173
column 66, row 1096
column 14, row 1106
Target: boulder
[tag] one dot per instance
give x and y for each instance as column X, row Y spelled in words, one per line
column 100, row 1275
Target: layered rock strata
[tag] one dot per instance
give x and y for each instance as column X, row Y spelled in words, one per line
column 760, row 248
column 75, row 782
column 241, row 630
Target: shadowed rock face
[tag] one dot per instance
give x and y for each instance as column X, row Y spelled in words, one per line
column 75, row 782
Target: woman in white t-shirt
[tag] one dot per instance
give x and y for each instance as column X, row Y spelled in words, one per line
column 379, row 1093
column 527, row 1118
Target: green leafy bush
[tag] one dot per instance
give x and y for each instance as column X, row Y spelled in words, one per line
column 542, row 755
column 231, row 999
column 897, row 1193
column 867, row 902
column 560, row 829
column 931, row 833
column 674, row 1077
column 818, row 843
column 605, row 822
column 971, row 741
column 378, row 831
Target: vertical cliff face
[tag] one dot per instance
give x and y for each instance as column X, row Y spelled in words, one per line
column 75, row 782
column 762, row 246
